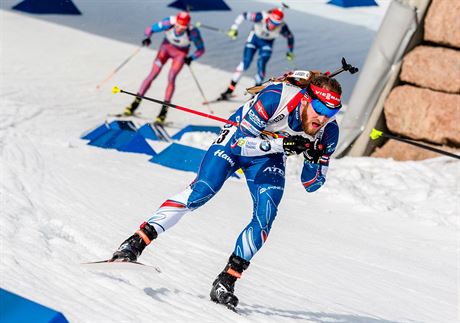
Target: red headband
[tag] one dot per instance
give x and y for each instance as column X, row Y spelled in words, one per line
column 326, row 96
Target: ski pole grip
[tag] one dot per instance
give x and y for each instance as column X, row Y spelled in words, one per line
column 375, row 134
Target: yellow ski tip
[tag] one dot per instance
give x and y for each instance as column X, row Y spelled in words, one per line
column 375, row 134
column 116, row 90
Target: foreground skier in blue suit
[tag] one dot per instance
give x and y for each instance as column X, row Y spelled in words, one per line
column 293, row 114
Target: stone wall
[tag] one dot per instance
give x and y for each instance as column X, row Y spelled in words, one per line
column 442, row 23
column 436, row 68
column 426, row 106
column 424, row 114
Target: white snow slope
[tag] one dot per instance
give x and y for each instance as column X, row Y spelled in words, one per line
column 379, row 243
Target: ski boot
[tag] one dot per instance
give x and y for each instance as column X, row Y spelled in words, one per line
column 129, row 110
column 224, row 285
column 132, row 247
column 162, row 115
column 224, row 96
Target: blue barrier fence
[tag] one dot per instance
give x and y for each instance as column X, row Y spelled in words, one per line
column 119, row 135
column 125, row 136
column 180, row 157
column 17, row 309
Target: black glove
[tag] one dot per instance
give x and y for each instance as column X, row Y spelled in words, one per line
column 146, row 42
column 315, row 150
column 295, row 144
column 188, row 60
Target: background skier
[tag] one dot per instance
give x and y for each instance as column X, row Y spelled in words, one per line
column 179, row 35
column 300, row 107
column 268, row 25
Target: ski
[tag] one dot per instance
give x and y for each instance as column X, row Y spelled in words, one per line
column 134, row 115
column 160, row 131
column 143, row 117
column 228, row 306
column 119, row 265
column 220, row 99
column 232, row 308
column 168, row 124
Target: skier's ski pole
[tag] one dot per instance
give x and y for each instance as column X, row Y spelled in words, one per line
column 292, row 62
column 118, row 68
column 116, row 89
column 199, row 24
column 375, row 134
column 201, row 90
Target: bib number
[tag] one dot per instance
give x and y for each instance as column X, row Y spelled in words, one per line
column 224, row 136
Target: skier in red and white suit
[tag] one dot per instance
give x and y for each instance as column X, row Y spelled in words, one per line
column 179, row 35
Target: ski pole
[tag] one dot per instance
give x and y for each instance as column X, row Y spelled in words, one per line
column 294, row 65
column 199, row 24
column 206, row 102
column 375, row 134
column 118, row 68
column 116, row 89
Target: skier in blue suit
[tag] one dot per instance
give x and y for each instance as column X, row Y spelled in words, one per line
column 268, row 25
column 293, row 114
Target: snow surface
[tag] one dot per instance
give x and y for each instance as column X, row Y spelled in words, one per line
column 379, row 243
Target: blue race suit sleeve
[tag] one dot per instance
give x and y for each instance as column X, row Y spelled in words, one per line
column 253, row 16
column 249, row 140
column 314, row 174
column 195, row 37
column 250, row 16
column 289, row 36
column 162, row 25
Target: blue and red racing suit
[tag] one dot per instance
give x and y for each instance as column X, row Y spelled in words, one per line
column 260, row 39
column 174, row 46
column 275, row 109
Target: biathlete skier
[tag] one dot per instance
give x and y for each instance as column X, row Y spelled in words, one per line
column 268, row 25
column 179, row 35
column 293, row 114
